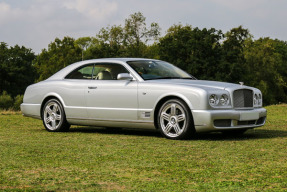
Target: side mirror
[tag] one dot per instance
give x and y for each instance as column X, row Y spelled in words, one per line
column 124, row 76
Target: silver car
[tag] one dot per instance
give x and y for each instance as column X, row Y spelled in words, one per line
column 142, row 93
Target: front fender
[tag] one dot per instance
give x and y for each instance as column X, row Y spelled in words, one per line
column 173, row 94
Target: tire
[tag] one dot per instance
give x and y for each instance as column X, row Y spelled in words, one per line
column 175, row 120
column 234, row 132
column 53, row 116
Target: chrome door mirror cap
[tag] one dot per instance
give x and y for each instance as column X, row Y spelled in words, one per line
column 124, row 76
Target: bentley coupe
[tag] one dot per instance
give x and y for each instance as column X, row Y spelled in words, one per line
column 142, row 93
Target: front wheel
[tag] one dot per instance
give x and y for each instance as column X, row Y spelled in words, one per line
column 53, row 116
column 175, row 120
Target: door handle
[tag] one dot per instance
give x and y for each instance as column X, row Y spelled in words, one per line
column 92, row 87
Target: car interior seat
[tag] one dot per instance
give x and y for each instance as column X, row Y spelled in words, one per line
column 104, row 75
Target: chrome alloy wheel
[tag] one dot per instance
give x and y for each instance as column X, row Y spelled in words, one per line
column 173, row 119
column 52, row 116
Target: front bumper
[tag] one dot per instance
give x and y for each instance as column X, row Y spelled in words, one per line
column 218, row 120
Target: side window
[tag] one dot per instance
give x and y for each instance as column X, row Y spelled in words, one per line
column 82, row 73
column 108, row 71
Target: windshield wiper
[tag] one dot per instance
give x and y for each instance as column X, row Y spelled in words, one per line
column 189, row 78
column 170, row 78
column 163, row 78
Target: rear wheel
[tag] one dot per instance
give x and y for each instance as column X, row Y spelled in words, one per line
column 175, row 120
column 53, row 116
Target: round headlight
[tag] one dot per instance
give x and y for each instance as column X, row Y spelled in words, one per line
column 213, row 100
column 224, row 100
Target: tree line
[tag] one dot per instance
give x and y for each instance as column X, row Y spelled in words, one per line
column 207, row 54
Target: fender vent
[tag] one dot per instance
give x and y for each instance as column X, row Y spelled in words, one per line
column 145, row 114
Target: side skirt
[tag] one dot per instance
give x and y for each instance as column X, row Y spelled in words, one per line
column 112, row 123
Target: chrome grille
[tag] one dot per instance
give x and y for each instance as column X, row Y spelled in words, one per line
column 243, row 98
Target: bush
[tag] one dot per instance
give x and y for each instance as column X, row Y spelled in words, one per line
column 18, row 101
column 6, row 101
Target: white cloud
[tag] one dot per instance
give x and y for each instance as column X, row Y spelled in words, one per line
column 92, row 9
column 4, row 10
column 239, row 5
column 7, row 13
column 35, row 23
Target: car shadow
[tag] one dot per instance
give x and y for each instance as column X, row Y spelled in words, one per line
column 116, row 131
column 214, row 136
column 252, row 134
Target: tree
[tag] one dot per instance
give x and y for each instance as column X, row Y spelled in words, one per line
column 3, row 59
column 6, row 101
column 113, row 35
column 16, row 68
column 151, row 51
column 266, row 68
column 233, row 61
column 196, row 51
column 128, row 41
column 84, row 43
column 110, row 42
column 60, row 54
column 136, row 34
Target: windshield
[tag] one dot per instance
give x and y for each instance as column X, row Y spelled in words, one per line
column 150, row 70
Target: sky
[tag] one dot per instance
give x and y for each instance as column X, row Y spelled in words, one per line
column 36, row 23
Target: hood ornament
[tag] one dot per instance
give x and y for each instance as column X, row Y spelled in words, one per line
column 241, row 83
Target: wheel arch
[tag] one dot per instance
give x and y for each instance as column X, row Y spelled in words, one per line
column 165, row 98
column 51, row 96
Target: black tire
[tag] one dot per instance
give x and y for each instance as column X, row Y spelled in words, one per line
column 235, row 132
column 175, row 121
column 53, row 116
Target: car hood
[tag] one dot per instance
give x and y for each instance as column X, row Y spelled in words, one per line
column 199, row 83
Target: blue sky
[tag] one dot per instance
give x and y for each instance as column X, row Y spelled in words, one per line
column 36, row 23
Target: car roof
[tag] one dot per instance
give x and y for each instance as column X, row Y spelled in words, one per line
column 63, row 72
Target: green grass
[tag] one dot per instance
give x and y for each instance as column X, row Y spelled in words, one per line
column 95, row 159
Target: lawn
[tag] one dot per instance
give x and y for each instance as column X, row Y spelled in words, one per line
column 98, row 159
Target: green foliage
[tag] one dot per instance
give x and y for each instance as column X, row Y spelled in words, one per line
column 233, row 57
column 128, row 41
column 17, row 102
column 60, row 54
column 196, row 51
column 233, row 54
column 266, row 68
column 98, row 159
column 151, row 51
column 109, row 43
column 16, row 69
column 205, row 53
column 6, row 101
column 84, row 43
column 136, row 34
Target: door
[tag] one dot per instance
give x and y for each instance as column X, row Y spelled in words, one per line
column 73, row 91
column 110, row 99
